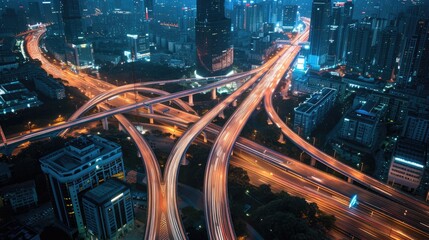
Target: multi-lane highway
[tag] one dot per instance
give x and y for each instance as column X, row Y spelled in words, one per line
column 218, row 218
column 178, row 151
column 271, row 79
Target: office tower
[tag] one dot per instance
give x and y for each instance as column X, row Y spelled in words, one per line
column 12, row 22
column 358, row 52
column 139, row 46
column 417, row 129
column 386, row 52
column 73, row 23
column 47, row 9
column 415, row 29
column 215, row 53
column 335, row 33
column 289, row 17
column 319, row 33
column 344, row 32
column 362, row 126
column 108, row 210
column 309, row 115
column 83, row 164
column 148, row 9
column 408, row 164
column 34, row 15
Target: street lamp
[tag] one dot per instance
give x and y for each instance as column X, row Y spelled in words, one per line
column 29, row 126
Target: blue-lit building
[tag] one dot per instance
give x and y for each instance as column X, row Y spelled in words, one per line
column 408, row 164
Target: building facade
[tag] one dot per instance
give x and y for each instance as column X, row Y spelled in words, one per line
column 408, row 164
column 215, row 53
column 83, row 164
column 108, row 210
column 310, row 113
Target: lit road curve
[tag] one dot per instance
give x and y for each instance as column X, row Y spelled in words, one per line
column 156, row 207
column 331, row 162
column 218, row 219
column 371, row 206
column 176, row 155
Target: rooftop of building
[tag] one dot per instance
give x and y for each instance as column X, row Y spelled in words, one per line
column 13, row 86
column 368, row 112
column 78, row 153
column 17, row 187
column 107, row 191
column 16, row 230
column 315, row 99
column 52, row 83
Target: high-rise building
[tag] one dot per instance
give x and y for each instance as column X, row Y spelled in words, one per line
column 415, row 29
column 108, row 210
column 319, row 33
column 47, row 9
column 362, row 126
column 310, row 113
column 73, row 23
column 408, row 164
column 358, row 52
column 386, row 52
column 148, row 9
column 335, row 33
column 34, row 15
column 343, row 40
column 289, row 16
column 215, row 53
column 83, row 164
column 417, row 129
column 139, row 46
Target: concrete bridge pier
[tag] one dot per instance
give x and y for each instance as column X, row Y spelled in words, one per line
column 105, row 123
column 150, row 111
column 191, row 100
column 204, row 137
column 222, row 115
column 214, row 93
column 234, row 104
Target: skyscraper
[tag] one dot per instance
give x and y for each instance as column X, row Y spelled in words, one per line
column 215, row 53
column 108, row 210
column 72, row 18
column 148, row 9
column 34, row 15
column 289, row 16
column 82, row 165
column 47, row 9
column 319, row 33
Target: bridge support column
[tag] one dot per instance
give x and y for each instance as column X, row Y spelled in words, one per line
column 313, row 162
column 121, row 128
column 234, row 104
column 221, row 115
column 184, row 161
column 204, row 137
column 214, row 93
column 349, row 180
column 191, row 100
column 105, row 123
column 150, row 111
column 281, row 139
column 269, row 122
